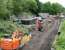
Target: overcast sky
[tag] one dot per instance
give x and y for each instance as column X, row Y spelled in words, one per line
column 62, row 2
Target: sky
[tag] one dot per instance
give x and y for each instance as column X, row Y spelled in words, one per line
column 62, row 2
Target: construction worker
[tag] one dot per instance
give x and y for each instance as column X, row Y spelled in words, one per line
column 18, row 34
column 14, row 35
column 38, row 24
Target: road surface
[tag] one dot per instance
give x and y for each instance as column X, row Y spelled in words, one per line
column 43, row 40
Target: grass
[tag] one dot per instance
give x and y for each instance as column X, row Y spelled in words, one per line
column 59, row 43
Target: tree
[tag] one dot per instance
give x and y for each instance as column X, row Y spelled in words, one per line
column 6, row 8
column 63, row 11
column 24, row 6
column 10, row 7
column 39, row 6
column 3, row 8
column 46, row 7
column 33, row 7
column 57, row 8
column 53, row 8
column 17, row 7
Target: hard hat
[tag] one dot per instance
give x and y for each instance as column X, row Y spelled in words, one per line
column 39, row 18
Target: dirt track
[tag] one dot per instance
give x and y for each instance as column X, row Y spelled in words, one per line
column 43, row 40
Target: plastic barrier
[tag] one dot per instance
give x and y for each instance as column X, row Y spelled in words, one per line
column 16, row 43
column 9, row 44
column 6, row 44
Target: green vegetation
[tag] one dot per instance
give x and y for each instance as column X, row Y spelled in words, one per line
column 20, row 7
column 59, row 43
column 17, row 7
column 8, row 27
column 14, row 7
column 53, row 8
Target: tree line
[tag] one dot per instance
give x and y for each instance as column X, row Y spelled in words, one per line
column 17, row 7
column 52, row 8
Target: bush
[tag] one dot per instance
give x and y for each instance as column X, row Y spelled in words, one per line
column 7, row 27
column 60, row 41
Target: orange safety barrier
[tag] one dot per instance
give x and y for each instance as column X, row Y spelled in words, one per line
column 16, row 43
column 6, row 44
column 9, row 44
column 0, row 43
